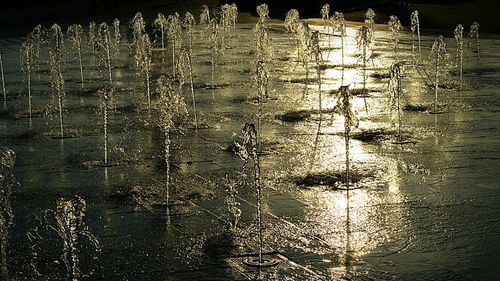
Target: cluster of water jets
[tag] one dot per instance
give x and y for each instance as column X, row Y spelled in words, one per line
column 170, row 108
column 67, row 219
column 64, row 223
column 309, row 50
column 440, row 63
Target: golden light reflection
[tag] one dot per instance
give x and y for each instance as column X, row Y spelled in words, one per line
column 358, row 153
column 393, row 180
column 330, row 155
column 350, row 72
column 369, row 220
column 360, row 221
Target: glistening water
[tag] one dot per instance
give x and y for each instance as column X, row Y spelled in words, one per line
column 423, row 210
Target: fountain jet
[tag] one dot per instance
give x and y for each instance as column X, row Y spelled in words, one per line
column 415, row 30
column 75, row 32
column 344, row 108
column 27, row 53
column 440, row 54
column 395, row 27
column 171, row 110
column 459, row 60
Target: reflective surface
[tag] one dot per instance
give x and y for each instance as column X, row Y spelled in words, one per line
column 427, row 210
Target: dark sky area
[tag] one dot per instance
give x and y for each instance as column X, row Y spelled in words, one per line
column 18, row 17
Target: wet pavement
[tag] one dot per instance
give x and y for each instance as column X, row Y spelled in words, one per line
column 426, row 210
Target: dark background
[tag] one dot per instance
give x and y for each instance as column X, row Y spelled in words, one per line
column 17, row 18
column 435, row 14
